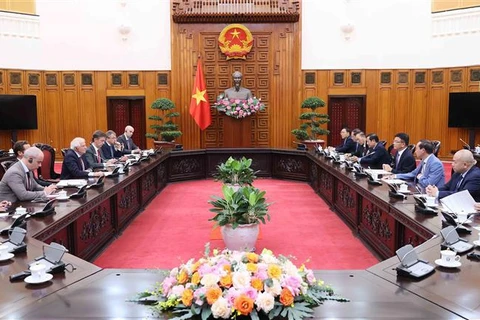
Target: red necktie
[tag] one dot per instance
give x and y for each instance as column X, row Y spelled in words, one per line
column 28, row 182
column 99, row 159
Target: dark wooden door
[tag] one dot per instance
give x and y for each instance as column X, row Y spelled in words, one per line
column 348, row 111
column 128, row 111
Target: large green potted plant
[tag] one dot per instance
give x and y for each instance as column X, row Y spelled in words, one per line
column 164, row 128
column 239, row 214
column 312, row 121
column 236, row 172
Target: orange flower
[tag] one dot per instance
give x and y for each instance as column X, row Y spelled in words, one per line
column 182, row 277
column 243, row 304
column 257, row 284
column 252, row 267
column 226, row 281
column 213, row 294
column 195, row 266
column 252, row 257
column 195, row 278
column 187, row 297
column 286, row 297
column 274, row 271
column 227, row 268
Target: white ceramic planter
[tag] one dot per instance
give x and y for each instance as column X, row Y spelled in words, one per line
column 242, row 238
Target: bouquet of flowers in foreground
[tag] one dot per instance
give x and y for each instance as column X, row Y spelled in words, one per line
column 239, row 108
column 230, row 284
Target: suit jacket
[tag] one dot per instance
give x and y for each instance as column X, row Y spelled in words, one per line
column 72, row 166
column 434, row 173
column 41, row 182
column 376, row 158
column 109, row 152
column 128, row 146
column 13, row 186
column 361, row 150
column 92, row 159
column 348, row 146
column 471, row 182
column 405, row 164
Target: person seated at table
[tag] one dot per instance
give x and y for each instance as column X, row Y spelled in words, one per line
column 361, row 147
column 75, row 165
column 18, row 183
column 111, row 149
column 403, row 162
column 376, row 155
column 430, row 170
column 466, row 177
column 125, row 140
column 347, row 145
column 19, row 149
column 94, row 155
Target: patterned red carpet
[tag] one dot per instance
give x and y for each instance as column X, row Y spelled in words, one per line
column 175, row 228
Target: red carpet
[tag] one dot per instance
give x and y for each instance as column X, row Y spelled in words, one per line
column 175, row 228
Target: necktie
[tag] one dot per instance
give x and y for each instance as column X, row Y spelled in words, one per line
column 28, row 182
column 424, row 164
column 99, row 159
column 128, row 144
column 112, row 152
column 397, row 160
column 82, row 165
column 459, row 183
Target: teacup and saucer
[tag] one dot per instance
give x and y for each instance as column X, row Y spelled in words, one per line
column 39, row 274
column 449, row 259
column 62, row 195
column 4, row 254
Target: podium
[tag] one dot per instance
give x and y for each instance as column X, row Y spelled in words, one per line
column 237, row 133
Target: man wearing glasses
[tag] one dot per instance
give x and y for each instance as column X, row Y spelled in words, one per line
column 403, row 161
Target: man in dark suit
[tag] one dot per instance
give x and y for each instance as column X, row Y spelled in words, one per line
column 348, row 145
column 361, row 147
column 75, row 165
column 403, row 161
column 466, row 177
column 111, row 149
column 376, row 156
column 430, row 170
column 94, row 154
column 126, row 141
column 18, row 183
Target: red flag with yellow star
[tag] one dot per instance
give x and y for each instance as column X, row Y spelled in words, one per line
column 200, row 107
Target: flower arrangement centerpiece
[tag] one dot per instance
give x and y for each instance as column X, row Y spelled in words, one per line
column 238, row 108
column 235, row 285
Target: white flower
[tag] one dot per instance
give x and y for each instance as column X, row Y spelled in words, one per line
column 177, row 290
column 269, row 259
column 174, row 272
column 241, row 279
column 210, row 280
column 220, row 309
column 265, row 302
column 275, row 289
column 290, row 269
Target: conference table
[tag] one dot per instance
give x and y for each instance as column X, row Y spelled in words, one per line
column 87, row 225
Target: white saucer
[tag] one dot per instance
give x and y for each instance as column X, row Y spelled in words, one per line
column 6, row 257
column 435, row 205
column 406, row 191
column 463, row 222
column 454, row 264
column 476, row 242
column 63, row 198
column 32, row 280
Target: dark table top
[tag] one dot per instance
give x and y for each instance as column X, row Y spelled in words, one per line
column 105, row 294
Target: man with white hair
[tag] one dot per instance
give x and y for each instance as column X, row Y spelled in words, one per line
column 75, row 164
column 18, row 183
column 126, row 141
column 466, row 177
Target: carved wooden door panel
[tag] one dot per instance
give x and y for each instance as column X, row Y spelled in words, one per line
column 345, row 112
column 123, row 112
column 218, row 77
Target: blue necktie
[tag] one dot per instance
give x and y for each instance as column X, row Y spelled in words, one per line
column 112, row 152
column 457, row 187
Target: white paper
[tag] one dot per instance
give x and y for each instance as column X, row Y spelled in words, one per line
column 72, row 183
column 394, row 181
column 377, row 171
column 459, row 202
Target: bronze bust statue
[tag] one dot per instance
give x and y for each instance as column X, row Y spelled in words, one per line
column 237, row 91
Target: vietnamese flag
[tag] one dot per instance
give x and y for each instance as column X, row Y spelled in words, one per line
column 200, row 107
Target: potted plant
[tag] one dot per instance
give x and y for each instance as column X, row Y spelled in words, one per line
column 238, row 214
column 312, row 121
column 164, row 131
column 236, row 172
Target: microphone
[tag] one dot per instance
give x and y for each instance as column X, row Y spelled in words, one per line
column 445, row 237
column 465, row 145
column 411, row 249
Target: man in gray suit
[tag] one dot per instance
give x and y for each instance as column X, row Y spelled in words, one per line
column 18, row 183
